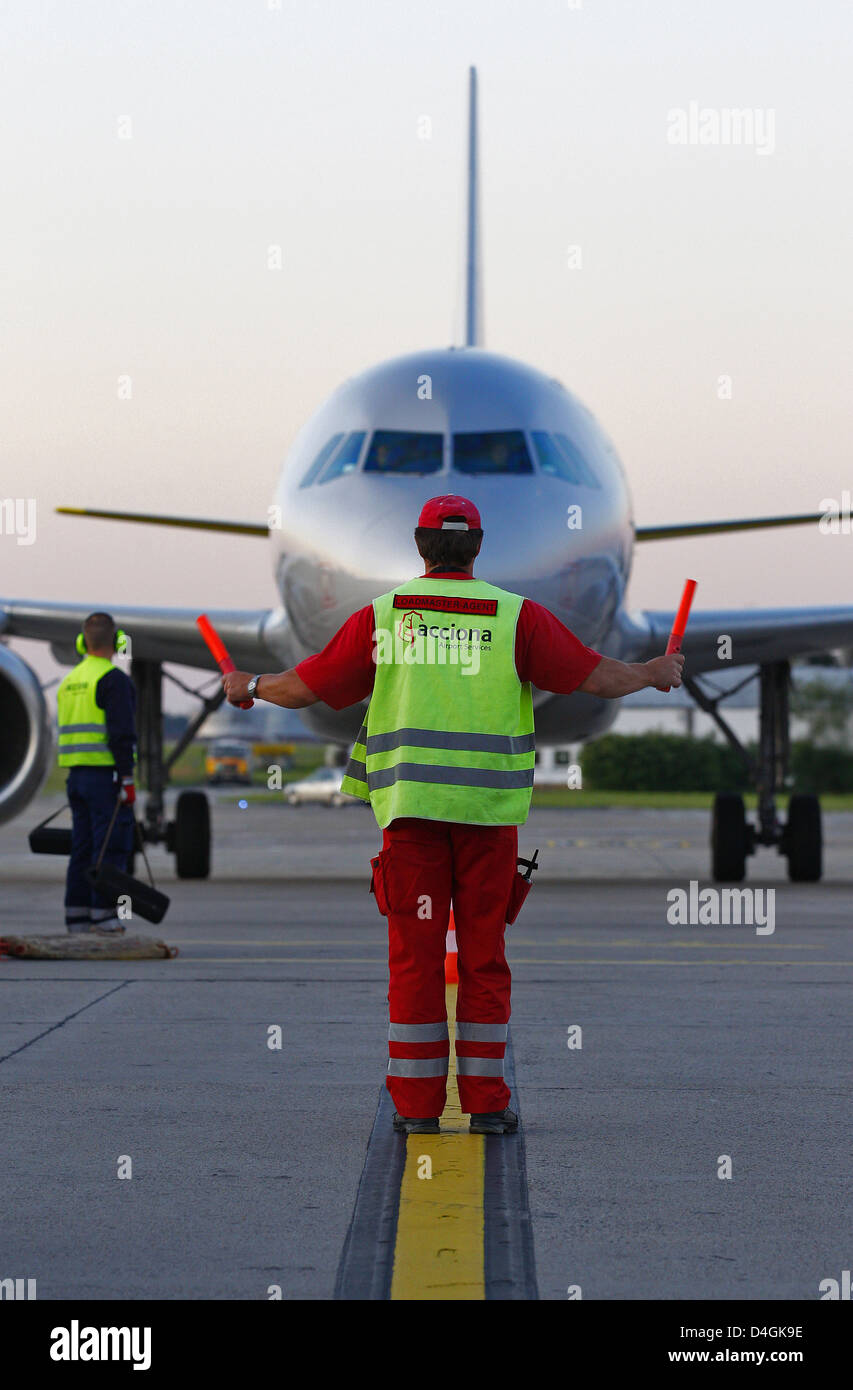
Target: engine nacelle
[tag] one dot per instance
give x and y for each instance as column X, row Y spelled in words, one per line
column 26, row 745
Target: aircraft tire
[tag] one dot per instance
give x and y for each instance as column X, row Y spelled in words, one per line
column 803, row 839
column 192, row 836
column 729, row 838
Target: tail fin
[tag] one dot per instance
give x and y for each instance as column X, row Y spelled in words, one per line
column 473, row 308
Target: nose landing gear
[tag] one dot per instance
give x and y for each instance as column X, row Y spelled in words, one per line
column 733, row 838
column 188, row 836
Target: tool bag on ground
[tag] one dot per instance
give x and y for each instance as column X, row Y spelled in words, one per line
column 44, row 841
column 146, row 900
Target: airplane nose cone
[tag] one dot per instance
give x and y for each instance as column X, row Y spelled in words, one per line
column 527, row 538
column 387, row 550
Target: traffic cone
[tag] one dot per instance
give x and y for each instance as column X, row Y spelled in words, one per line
column 451, row 961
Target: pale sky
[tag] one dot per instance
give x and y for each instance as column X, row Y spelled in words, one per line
column 254, row 125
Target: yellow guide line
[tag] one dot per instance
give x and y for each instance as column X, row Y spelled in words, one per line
column 439, row 1252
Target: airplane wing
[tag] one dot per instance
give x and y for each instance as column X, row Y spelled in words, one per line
column 157, row 634
column 678, row 530
column 187, row 523
column 758, row 635
column 668, row 532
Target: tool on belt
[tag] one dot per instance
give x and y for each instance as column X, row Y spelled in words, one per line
column 218, row 651
column 113, row 883
column 521, row 885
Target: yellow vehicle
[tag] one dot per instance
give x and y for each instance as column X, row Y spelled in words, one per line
column 228, row 761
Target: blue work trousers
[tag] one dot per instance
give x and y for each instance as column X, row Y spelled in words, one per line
column 92, row 793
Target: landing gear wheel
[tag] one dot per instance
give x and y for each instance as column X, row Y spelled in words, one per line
column 802, row 840
column 729, row 838
column 190, row 838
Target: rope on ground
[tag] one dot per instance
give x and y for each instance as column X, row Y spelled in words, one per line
column 86, row 946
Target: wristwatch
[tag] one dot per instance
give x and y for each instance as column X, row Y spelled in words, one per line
column 252, row 686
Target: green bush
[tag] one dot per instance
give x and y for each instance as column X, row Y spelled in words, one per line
column 656, row 762
column 661, row 762
column 821, row 769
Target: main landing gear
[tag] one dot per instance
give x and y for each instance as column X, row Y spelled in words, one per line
column 733, row 838
column 188, row 835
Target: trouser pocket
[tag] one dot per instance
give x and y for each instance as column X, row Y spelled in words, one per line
column 378, row 882
column 521, row 886
column 517, row 893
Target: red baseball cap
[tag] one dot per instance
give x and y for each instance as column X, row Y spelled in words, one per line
column 450, row 513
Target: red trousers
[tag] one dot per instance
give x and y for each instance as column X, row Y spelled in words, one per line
column 423, row 867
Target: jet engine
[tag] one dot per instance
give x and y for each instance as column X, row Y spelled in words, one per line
column 26, row 743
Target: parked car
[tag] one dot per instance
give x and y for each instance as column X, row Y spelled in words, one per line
column 321, row 785
column 227, row 761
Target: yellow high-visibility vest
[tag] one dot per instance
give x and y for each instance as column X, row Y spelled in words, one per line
column 449, row 730
column 82, row 722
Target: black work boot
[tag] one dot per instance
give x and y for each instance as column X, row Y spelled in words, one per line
column 406, row 1124
column 494, row 1122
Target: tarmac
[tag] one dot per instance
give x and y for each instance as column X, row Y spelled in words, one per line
column 704, row 1050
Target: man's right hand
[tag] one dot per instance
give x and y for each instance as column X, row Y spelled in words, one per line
column 665, row 671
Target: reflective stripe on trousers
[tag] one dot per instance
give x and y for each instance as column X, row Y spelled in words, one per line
column 479, row 1066
column 407, row 1038
column 480, row 1048
column 420, row 1066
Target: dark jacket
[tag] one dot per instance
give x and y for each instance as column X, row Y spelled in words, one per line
column 115, row 694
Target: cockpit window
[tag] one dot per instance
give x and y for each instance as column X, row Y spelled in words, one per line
column 575, row 457
column 551, row 458
column 500, row 451
column 346, row 459
column 559, row 457
column 403, row 451
column 322, row 458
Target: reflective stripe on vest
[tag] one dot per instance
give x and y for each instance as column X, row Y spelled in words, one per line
column 82, row 723
column 449, row 729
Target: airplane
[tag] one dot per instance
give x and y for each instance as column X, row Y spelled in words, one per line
column 527, row 451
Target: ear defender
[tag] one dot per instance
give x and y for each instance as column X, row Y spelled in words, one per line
column 120, row 640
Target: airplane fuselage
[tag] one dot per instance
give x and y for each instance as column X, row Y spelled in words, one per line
column 549, row 485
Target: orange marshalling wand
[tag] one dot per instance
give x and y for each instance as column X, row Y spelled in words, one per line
column 679, row 627
column 218, row 651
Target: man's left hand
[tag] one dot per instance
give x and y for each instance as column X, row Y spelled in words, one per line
column 236, row 686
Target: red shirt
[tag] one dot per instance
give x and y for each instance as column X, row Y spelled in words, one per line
column 546, row 653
